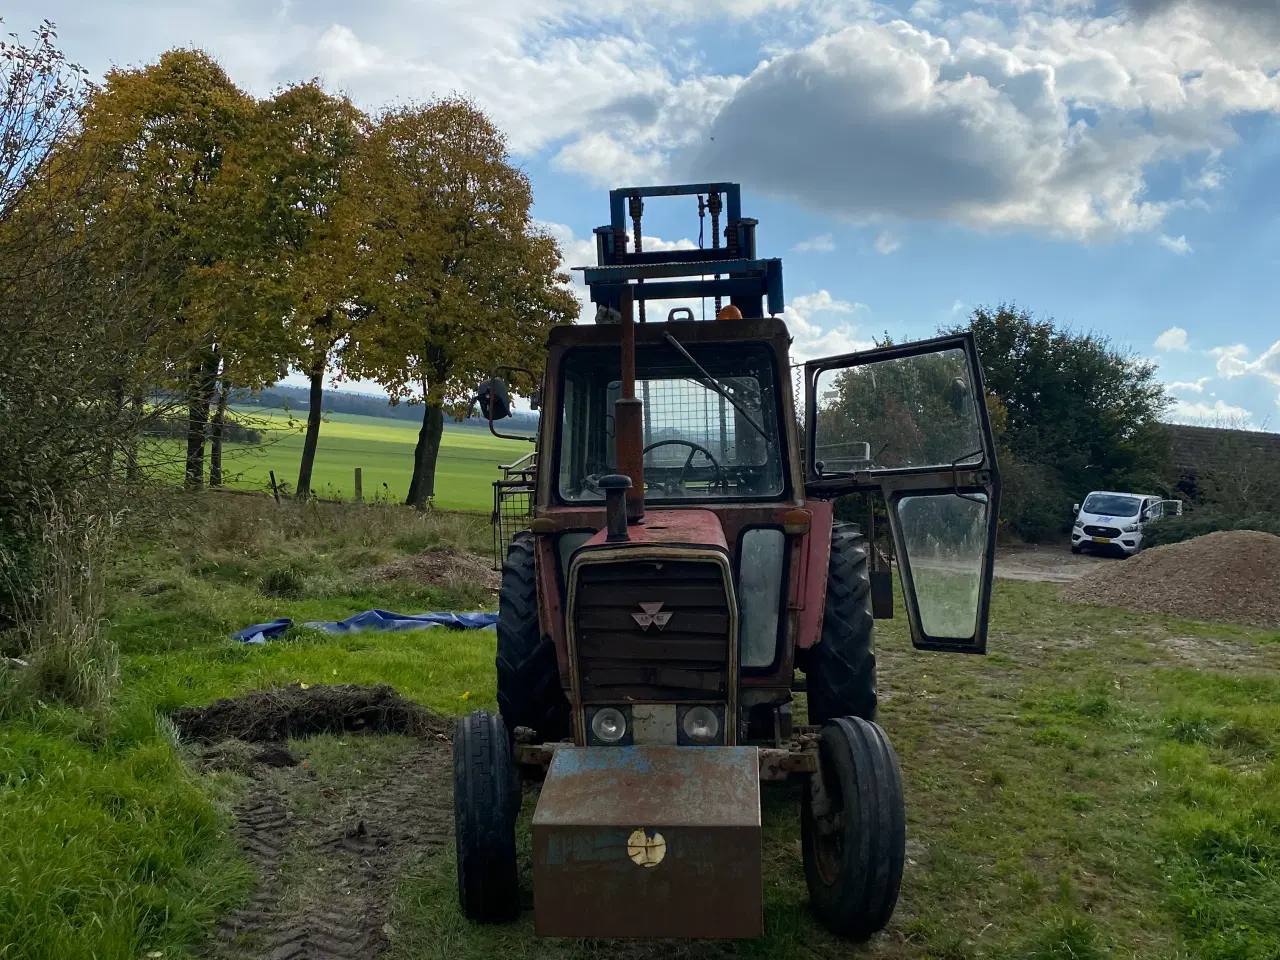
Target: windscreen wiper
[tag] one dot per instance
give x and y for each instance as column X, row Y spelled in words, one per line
column 714, row 384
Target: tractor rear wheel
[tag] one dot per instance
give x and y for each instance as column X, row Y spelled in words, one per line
column 840, row 669
column 486, row 802
column 853, row 829
column 529, row 691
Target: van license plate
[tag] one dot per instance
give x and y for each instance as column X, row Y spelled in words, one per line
column 1101, row 539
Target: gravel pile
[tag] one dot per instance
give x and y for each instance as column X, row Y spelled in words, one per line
column 1228, row 577
column 444, row 567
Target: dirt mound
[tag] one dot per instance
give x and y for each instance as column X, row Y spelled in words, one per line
column 300, row 711
column 445, row 567
column 1229, row 577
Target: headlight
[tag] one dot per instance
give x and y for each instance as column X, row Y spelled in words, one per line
column 1129, row 529
column 701, row 725
column 1079, row 524
column 609, row 725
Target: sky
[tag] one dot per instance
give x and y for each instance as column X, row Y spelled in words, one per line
column 1113, row 164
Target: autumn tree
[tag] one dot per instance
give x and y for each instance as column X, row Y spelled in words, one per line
column 457, row 275
column 1081, row 414
column 165, row 131
column 292, row 175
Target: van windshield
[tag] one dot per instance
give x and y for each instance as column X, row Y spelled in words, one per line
column 1111, row 505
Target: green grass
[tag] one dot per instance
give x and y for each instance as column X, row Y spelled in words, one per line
column 1102, row 784
column 382, row 448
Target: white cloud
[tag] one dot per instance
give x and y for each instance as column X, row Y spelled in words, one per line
column 1217, row 414
column 1178, row 245
column 1232, row 362
column 1183, row 386
column 1047, row 117
column 957, row 306
column 886, row 243
column 822, row 243
column 1175, row 338
column 811, row 340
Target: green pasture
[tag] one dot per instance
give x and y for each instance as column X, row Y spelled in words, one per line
column 1102, row 785
column 382, row 448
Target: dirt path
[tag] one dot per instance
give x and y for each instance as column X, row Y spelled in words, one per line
column 1049, row 564
column 328, row 837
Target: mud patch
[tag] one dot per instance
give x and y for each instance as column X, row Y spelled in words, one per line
column 327, row 847
column 284, row 713
column 445, row 567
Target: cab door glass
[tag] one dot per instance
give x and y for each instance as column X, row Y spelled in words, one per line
column 945, row 545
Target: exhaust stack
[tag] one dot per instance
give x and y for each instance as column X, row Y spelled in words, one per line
column 628, row 412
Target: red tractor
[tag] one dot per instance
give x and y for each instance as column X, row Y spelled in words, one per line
column 682, row 564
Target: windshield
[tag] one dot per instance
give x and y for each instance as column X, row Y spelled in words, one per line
column 698, row 444
column 1111, row 505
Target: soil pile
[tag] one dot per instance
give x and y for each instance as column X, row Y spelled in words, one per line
column 301, row 711
column 445, row 567
column 1228, row 577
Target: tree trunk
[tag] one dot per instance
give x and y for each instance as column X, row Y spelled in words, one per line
column 204, row 378
column 135, row 427
column 215, row 435
column 423, row 486
column 313, row 431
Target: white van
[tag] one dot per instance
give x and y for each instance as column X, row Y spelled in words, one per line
column 1114, row 521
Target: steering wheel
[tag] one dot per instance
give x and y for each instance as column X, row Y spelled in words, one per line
column 695, row 448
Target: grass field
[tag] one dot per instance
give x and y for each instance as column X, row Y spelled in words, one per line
column 381, row 447
column 1102, row 784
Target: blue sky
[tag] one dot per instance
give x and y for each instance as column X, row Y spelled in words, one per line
column 1113, row 164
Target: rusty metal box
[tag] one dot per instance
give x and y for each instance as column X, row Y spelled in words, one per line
column 649, row 841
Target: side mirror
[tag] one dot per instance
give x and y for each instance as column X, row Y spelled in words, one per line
column 1075, row 508
column 495, row 400
column 535, row 399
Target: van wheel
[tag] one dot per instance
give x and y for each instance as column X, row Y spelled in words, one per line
column 853, row 829
column 486, row 802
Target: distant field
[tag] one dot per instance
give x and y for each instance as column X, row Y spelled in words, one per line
column 381, row 447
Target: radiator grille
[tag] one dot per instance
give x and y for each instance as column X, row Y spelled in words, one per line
column 620, row 659
column 1094, row 531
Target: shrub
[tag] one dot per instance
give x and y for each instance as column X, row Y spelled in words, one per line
column 1205, row 520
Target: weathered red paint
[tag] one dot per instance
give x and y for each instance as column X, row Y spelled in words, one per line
column 551, row 601
column 813, row 588
column 695, row 527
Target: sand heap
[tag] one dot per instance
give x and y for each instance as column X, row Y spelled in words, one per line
column 1229, row 577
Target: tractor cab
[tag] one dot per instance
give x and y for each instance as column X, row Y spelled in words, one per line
column 683, row 566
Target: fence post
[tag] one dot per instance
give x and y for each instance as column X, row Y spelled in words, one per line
column 359, row 487
column 275, row 490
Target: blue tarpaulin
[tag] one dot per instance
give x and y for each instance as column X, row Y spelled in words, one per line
column 370, row 620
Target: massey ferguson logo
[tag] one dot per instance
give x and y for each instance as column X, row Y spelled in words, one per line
column 650, row 614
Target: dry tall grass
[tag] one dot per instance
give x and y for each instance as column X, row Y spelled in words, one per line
column 61, row 649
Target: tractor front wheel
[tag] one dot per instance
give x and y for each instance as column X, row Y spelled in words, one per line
column 840, row 669
column 853, row 829
column 529, row 691
column 486, row 802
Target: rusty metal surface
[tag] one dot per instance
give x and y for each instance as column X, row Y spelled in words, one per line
column 675, row 786
column 813, row 591
column 780, row 763
column 649, row 842
column 696, row 527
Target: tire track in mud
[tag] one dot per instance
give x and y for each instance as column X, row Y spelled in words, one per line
column 326, row 876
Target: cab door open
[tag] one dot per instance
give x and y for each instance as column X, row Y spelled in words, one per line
column 911, row 422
